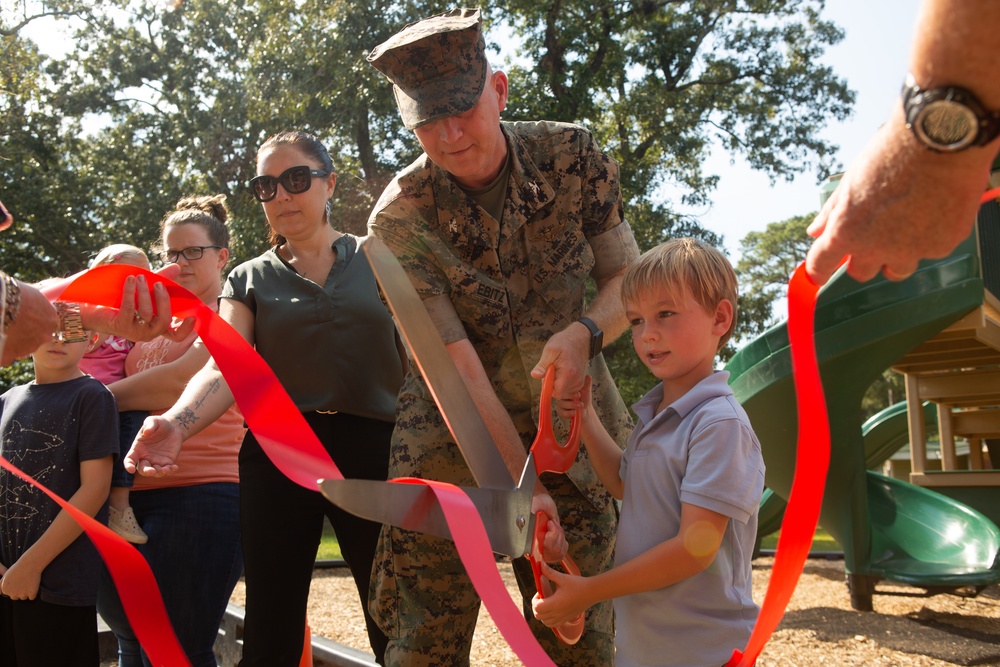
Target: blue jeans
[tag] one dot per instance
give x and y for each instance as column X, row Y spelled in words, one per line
column 129, row 423
column 194, row 553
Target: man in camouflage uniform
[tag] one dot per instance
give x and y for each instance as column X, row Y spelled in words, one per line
column 498, row 226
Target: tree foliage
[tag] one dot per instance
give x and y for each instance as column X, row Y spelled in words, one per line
column 662, row 81
column 767, row 260
column 157, row 100
column 185, row 92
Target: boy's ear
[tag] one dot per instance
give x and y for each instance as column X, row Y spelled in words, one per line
column 92, row 338
column 723, row 317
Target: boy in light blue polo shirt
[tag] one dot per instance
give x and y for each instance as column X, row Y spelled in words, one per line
column 690, row 479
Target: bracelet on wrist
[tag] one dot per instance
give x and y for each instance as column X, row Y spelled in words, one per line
column 12, row 300
column 70, row 323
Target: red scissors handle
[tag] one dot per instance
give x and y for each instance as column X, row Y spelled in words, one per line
column 571, row 631
column 549, row 454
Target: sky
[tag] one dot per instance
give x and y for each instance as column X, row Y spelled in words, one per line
column 872, row 58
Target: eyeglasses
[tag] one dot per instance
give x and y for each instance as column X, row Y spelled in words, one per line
column 190, row 254
column 294, row 180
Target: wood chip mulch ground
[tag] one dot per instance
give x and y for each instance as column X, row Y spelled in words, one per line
column 819, row 626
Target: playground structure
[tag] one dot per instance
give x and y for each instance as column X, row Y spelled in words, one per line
column 939, row 327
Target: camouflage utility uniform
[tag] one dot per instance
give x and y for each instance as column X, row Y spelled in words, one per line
column 512, row 285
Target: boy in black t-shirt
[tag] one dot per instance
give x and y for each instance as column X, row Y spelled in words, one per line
column 62, row 429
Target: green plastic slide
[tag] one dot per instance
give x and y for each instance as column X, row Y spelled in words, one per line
column 884, row 434
column 861, row 329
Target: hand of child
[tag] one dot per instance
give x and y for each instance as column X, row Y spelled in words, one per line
column 155, row 449
column 554, row 547
column 568, row 601
column 581, row 400
column 20, row 581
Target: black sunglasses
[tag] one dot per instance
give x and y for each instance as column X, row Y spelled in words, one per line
column 293, row 179
column 190, row 253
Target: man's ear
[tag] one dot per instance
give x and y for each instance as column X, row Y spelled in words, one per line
column 498, row 83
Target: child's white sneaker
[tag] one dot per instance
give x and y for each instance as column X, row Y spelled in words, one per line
column 123, row 522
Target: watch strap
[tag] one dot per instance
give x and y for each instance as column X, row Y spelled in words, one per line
column 596, row 335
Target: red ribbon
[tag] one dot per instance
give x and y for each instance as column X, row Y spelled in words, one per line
column 276, row 422
column 812, row 460
column 134, row 580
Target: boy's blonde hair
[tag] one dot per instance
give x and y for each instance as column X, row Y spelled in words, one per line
column 121, row 253
column 685, row 262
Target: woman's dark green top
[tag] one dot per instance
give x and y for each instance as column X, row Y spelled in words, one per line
column 333, row 347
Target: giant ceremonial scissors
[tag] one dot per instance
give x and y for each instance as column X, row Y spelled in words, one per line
column 505, row 507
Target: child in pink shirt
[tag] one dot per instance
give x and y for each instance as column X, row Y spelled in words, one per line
column 105, row 360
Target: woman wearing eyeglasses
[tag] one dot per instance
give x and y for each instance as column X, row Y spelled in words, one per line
column 191, row 518
column 310, row 306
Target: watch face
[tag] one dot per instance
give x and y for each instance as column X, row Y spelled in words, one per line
column 947, row 125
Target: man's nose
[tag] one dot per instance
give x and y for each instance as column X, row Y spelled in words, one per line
column 450, row 129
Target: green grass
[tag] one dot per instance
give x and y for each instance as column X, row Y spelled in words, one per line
column 329, row 549
column 821, row 541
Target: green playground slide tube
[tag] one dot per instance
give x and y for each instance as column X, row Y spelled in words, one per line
column 861, row 329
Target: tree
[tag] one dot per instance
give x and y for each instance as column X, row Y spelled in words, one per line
column 662, row 81
column 767, row 260
column 186, row 91
column 658, row 82
column 887, row 389
column 31, row 160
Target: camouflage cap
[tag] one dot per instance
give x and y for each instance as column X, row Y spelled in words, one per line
column 437, row 65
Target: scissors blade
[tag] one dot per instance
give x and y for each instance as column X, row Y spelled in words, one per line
column 506, row 515
column 409, row 506
column 438, row 369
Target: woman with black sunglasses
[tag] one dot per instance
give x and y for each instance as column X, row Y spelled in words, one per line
column 310, row 306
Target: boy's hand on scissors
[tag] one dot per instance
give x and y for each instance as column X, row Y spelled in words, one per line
column 563, row 605
column 566, row 407
column 555, row 546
